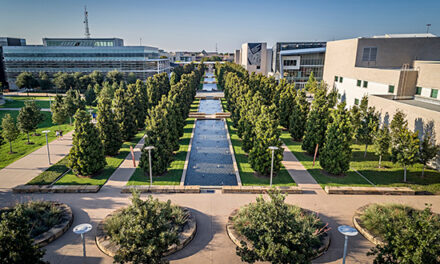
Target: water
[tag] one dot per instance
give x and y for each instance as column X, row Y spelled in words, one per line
column 209, row 106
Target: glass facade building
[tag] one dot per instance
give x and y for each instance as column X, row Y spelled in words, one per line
column 143, row 61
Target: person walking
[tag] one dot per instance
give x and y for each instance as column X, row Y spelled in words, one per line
column 61, row 135
column 57, row 134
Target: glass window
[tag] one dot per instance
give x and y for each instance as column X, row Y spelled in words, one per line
column 359, row 83
column 356, row 101
column 418, row 90
column 341, row 79
column 369, row 54
column 365, row 84
column 391, row 88
column 336, row 78
column 434, row 93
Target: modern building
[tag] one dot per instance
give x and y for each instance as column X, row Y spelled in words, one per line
column 5, row 41
column 237, row 58
column 397, row 72
column 82, row 55
column 255, row 57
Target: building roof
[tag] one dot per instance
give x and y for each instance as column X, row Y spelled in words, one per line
column 302, row 51
column 411, row 35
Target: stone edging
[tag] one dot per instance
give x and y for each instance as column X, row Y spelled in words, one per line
column 369, row 190
column 358, row 224
column 188, row 153
column 231, row 150
column 109, row 248
column 57, row 230
column 161, row 188
column 260, row 189
column 236, row 238
column 56, row 188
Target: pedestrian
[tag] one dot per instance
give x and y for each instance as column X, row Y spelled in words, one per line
column 57, row 133
column 61, row 134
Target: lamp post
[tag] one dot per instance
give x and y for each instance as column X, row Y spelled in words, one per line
column 149, row 148
column 346, row 231
column 273, row 148
column 82, row 229
column 47, row 144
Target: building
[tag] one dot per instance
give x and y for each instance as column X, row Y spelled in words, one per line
column 5, row 41
column 82, row 55
column 397, row 72
column 255, row 57
column 237, row 58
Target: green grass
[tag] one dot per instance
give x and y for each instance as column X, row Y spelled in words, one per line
column 246, row 172
column 174, row 173
column 112, row 164
column 19, row 145
column 389, row 176
column 52, row 173
column 26, row 98
column 20, row 103
column 195, row 105
column 224, row 105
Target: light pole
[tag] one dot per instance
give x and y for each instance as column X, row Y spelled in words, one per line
column 273, row 148
column 82, row 229
column 47, row 144
column 149, row 148
column 346, row 231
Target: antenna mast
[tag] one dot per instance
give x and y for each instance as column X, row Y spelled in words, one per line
column 86, row 22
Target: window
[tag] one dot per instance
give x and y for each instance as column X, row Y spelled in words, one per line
column 336, row 78
column 341, row 79
column 418, row 90
column 369, row 54
column 258, row 67
column 391, row 88
column 359, row 83
column 356, row 101
column 289, row 62
column 434, row 93
column 365, row 84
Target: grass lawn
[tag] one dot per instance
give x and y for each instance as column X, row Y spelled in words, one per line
column 224, row 105
column 246, row 172
column 195, row 105
column 52, row 173
column 20, row 103
column 392, row 175
column 26, row 98
column 174, row 173
column 112, row 164
column 19, row 145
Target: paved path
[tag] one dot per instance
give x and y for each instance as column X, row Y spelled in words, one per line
column 18, row 109
column 25, row 169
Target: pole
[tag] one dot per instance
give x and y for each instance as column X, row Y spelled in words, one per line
column 271, row 170
column 345, row 249
column 84, row 245
column 314, row 157
column 47, row 144
column 151, row 170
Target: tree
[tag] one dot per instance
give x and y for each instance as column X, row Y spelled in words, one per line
column 131, row 78
column 428, row 150
column 28, row 118
column 124, row 112
column 311, row 85
column 107, row 90
column 109, row 131
column 77, row 81
column 398, row 123
column 9, row 130
column 411, row 239
column 86, row 156
column 73, row 102
column 26, row 80
column 96, row 77
column 298, row 118
column 114, row 77
column 287, row 104
column 84, row 82
column 44, row 81
column 141, row 103
column 59, row 113
column 277, row 232
column 316, row 124
column 336, row 153
column 63, row 81
column 405, row 148
column 368, row 126
column 90, row 96
column 382, row 140
column 16, row 245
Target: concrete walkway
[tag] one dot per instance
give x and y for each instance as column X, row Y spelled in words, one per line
column 18, row 109
column 28, row 167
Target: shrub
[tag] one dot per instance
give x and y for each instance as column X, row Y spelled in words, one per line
column 279, row 233
column 144, row 230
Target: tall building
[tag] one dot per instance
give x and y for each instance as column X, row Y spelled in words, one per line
column 5, row 41
column 397, row 72
column 255, row 57
column 82, row 55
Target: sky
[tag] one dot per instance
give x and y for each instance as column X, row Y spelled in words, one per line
column 194, row 25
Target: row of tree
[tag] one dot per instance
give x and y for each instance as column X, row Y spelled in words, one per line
column 65, row 81
column 165, row 122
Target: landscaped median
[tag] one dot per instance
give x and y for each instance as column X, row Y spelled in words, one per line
column 364, row 176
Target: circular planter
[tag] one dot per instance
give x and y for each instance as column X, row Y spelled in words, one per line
column 357, row 222
column 109, row 248
column 57, row 230
column 237, row 238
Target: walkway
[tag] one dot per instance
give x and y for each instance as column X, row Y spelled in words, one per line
column 31, row 165
column 18, row 109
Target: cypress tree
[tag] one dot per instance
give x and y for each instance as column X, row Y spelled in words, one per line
column 59, row 112
column 124, row 113
column 73, row 102
column 86, row 156
column 316, row 124
column 90, row 95
column 28, row 118
column 109, row 131
column 286, row 104
column 398, row 123
column 382, row 140
column 298, row 119
column 336, row 153
column 312, row 84
column 142, row 103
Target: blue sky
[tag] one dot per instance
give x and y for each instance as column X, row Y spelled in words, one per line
column 200, row 24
